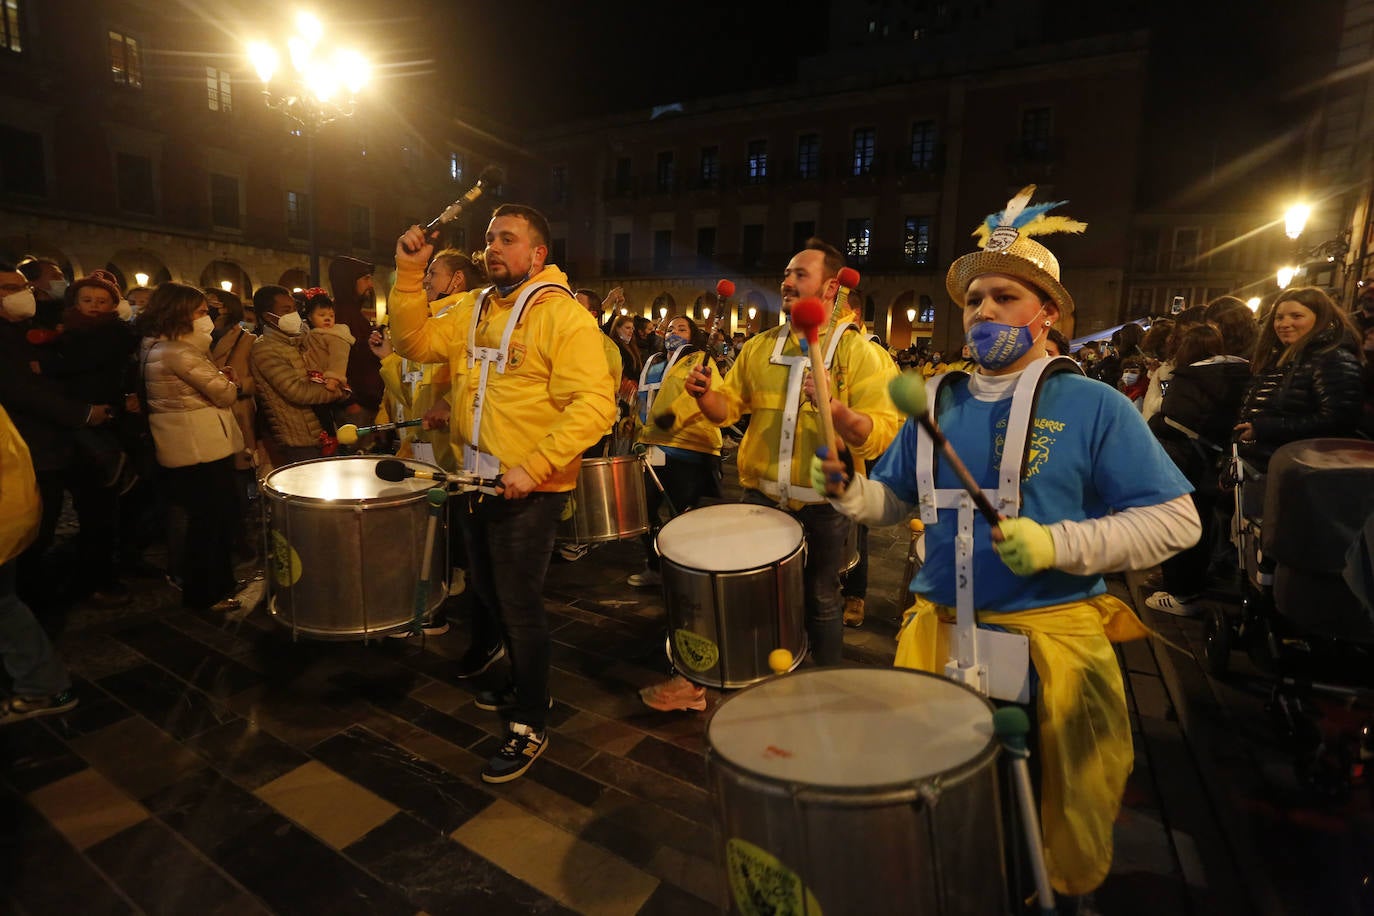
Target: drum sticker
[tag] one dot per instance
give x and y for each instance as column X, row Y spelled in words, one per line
column 697, row 652
column 763, row 886
column 286, row 563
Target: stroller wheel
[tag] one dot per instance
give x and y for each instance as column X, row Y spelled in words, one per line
column 1217, row 636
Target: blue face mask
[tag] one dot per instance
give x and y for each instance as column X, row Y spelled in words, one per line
column 996, row 346
column 673, row 341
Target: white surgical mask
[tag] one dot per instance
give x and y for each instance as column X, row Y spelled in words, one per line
column 124, row 310
column 204, row 325
column 1129, row 378
column 20, row 305
column 290, row 323
column 57, row 288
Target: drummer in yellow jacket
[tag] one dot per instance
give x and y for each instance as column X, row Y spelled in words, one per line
column 531, row 391
column 784, row 428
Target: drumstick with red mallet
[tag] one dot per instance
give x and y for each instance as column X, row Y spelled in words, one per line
column 667, row 419
column 908, row 393
column 807, row 317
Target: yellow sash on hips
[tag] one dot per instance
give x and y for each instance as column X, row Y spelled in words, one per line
column 1085, row 731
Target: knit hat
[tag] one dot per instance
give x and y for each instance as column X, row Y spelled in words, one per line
column 100, row 279
column 1005, row 247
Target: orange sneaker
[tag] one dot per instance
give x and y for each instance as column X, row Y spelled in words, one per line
column 678, row 693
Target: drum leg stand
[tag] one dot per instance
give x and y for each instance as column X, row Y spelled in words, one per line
column 1011, row 725
column 642, row 452
column 436, row 497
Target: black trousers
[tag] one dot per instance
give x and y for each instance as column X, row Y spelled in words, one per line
column 687, row 483
column 205, row 493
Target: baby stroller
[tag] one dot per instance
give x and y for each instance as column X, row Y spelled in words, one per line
column 1292, row 530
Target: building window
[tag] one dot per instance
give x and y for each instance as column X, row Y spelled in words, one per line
column 224, row 201
column 706, row 246
column 809, row 156
column 10, row 37
column 1185, row 252
column 916, row 240
column 751, row 245
column 219, row 93
column 1142, row 301
column 862, row 160
column 297, row 214
column 710, row 165
column 623, row 175
column 360, row 226
column 925, row 314
column 558, row 178
column 620, row 247
column 757, row 160
column 858, row 233
column 126, row 63
column 663, row 249
column 1037, row 125
column 663, row 171
column 134, row 179
column 923, row 145
column 455, row 166
column 21, row 163
column 802, row 230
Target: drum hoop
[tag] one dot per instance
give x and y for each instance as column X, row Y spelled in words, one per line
column 379, row 502
column 663, row 558
column 950, row 777
column 800, row 548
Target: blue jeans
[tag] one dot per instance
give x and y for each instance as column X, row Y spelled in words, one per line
column 25, row 649
column 826, row 532
column 509, row 543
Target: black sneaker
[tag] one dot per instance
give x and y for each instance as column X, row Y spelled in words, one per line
column 498, row 700
column 523, row 746
column 17, row 709
column 478, row 659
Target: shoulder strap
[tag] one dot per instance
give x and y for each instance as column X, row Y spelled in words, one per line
column 1016, row 446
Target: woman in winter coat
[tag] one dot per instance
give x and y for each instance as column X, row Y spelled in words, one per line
column 1306, row 382
column 189, row 404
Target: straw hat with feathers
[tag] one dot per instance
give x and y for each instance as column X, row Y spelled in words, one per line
column 1005, row 247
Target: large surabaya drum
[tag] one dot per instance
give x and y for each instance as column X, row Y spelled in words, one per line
column 347, row 547
column 858, row 791
column 608, row 504
column 732, row 583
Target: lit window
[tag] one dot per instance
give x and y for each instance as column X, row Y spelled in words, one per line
column 710, row 164
column 757, row 161
column 864, row 140
column 455, row 167
column 218, row 92
column 126, row 62
column 664, row 169
column 923, row 145
column 10, row 37
column 916, row 240
column 858, row 233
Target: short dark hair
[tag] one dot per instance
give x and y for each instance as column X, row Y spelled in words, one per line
column 539, row 226
column 834, row 261
column 31, row 266
column 266, row 297
column 1057, row 337
column 1199, row 342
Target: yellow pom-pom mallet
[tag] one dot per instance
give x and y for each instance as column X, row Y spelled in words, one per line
column 348, row 433
column 780, row 661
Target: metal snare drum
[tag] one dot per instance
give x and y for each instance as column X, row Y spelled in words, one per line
column 858, row 790
column 732, row 584
column 346, row 547
column 608, row 504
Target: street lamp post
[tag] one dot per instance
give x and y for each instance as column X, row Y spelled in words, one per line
column 315, row 92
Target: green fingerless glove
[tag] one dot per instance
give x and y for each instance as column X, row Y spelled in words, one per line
column 1026, row 546
column 818, row 475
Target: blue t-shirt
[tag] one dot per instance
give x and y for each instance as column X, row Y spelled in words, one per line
column 1090, row 452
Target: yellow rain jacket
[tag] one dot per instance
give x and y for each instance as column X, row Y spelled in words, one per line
column 554, row 400
column 21, row 507
column 691, row 430
column 418, row 395
column 858, row 378
column 1085, row 730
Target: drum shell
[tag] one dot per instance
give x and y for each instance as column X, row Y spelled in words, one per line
column 932, row 847
column 608, row 504
column 359, row 561
column 745, row 614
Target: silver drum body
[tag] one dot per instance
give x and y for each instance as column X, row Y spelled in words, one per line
column 732, row 584
column 347, row 548
column 608, row 504
column 858, row 790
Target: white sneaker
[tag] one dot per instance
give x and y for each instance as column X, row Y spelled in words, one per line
column 1180, row 607
column 457, row 581
column 573, row 552
column 647, row 579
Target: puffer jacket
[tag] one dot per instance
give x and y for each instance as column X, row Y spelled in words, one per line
column 188, row 402
column 1318, row 396
column 1205, row 397
column 284, row 390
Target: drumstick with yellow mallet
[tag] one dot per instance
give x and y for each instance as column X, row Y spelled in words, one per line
column 348, row 433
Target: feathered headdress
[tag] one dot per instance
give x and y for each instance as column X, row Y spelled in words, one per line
column 1021, row 218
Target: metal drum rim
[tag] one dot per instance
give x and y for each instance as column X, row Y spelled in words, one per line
column 801, row 548
column 345, row 503
column 954, row 776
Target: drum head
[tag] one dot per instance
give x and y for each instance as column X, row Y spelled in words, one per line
column 346, row 479
column 730, row 538
column 852, row 728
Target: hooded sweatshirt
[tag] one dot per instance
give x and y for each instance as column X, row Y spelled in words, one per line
column 364, row 368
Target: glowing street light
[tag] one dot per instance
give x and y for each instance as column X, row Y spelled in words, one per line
column 753, row 313
column 227, row 285
column 141, row 278
column 1285, row 276
column 314, row 91
column 705, row 311
column 1254, row 303
column 911, row 316
column 662, row 312
column 1295, row 220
